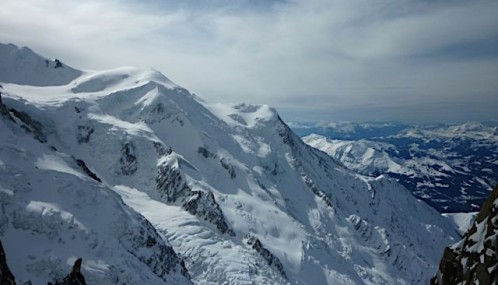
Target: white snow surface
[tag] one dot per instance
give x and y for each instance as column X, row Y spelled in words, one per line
column 463, row 221
column 23, row 66
column 325, row 224
column 362, row 156
column 52, row 213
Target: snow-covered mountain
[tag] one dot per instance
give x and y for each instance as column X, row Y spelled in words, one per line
column 453, row 168
column 362, row 156
column 23, row 66
column 146, row 181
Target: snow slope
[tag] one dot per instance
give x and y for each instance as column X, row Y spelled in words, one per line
column 23, row 66
column 462, row 221
column 238, row 196
column 52, row 213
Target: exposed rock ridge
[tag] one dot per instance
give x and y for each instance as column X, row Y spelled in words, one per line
column 474, row 260
column 148, row 247
column 270, row 258
column 30, row 125
column 172, row 186
column 73, row 278
column 87, row 170
column 289, row 138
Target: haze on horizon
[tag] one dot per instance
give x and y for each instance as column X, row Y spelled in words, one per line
column 406, row 61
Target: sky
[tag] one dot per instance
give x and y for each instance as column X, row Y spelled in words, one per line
column 426, row 61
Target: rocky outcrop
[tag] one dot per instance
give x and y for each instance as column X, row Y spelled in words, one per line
column 203, row 204
column 161, row 149
column 87, row 170
column 84, row 133
column 4, row 112
column 271, row 259
column 128, row 160
column 73, row 278
column 3, row 109
column 228, row 167
column 172, row 186
column 6, row 277
column 474, row 260
column 27, row 123
column 205, row 152
column 149, row 248
column 30, row 125
column 58, row 64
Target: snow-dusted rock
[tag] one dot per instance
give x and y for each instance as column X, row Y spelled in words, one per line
column 474, row 259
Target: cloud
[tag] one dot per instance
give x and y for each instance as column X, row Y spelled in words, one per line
column 304, row 56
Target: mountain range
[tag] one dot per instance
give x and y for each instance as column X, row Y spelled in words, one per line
column 150, row 184
column 451, row 167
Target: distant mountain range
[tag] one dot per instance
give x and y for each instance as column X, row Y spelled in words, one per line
column 451, row 167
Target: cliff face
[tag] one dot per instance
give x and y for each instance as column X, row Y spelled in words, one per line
column 474, row 260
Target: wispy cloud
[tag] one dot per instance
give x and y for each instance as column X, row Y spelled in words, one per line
column 323, row 56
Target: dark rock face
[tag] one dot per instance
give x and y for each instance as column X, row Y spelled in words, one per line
column 84, row 133
column 6, row 277
column 228, row 167
column 474, row 260
column 161, row 149
column 170, row 184
column 271, row 259
column 58, row 64
column 173, row 188
column 286, row 134
column 87, row 170
column 159, row 257
column 30, row 125
column 73, row 278
column 203, row 204
column 4, row 112
column 205, row 152
column 128, row 160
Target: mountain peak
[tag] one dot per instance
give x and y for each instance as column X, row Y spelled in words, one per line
column 118, row 78
column 21, row 65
